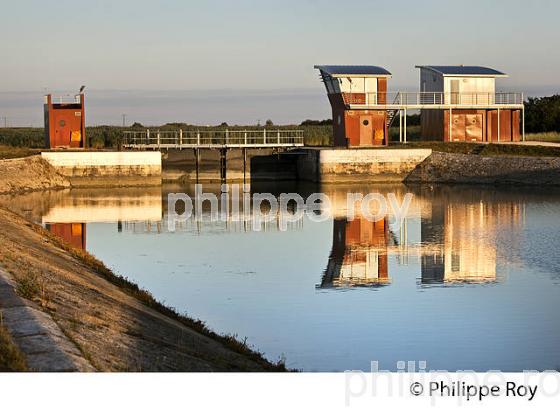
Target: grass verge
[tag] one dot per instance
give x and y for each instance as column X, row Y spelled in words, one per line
column 7, row 152
column 543, row 136
column 484, row 149
column 11, row 358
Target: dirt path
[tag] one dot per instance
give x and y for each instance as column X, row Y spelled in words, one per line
column 112, row 326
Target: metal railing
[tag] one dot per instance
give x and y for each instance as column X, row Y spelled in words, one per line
column 212, row 138
column 433, row 98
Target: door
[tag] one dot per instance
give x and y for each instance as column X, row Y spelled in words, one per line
column 458, row 127
column 366, row 130
column 61, row 130
column 473, row 127
column 378, row 119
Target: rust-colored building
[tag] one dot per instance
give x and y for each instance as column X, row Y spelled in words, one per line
column 460, row 103
column 65, row 122
column 352, row 90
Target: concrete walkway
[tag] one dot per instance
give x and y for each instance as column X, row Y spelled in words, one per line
column 36, row 334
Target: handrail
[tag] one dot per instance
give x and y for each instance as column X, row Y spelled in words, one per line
column 434, row 98
column 213, row 138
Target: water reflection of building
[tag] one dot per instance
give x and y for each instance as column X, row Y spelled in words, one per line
column 72, row 233
column 358, row 255
column 463, row 239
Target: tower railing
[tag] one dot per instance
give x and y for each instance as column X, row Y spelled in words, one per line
column 427, row 98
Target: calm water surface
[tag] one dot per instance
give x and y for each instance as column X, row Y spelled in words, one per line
column 471, row 281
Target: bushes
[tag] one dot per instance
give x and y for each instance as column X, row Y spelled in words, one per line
column 542, row 114
column 22, row 137
column 108, row 136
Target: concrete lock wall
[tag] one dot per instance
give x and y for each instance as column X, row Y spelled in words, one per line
column 359, row 165
column 107, row 168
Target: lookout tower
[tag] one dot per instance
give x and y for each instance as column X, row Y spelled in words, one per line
column 352, row 91
column 65, row 122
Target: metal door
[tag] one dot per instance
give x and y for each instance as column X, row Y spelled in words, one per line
column 458, row 127
column 366, row 130
column 473, row 127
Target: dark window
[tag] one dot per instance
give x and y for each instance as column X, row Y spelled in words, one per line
column 366, row 122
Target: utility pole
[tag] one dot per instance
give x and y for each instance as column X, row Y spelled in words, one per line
column 124, row 120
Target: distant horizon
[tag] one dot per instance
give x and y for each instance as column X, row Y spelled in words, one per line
column 195, row 106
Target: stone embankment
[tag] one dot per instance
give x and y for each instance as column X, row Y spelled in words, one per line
column 450, row 168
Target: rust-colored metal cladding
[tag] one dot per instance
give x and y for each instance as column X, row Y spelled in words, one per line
column 65, row 122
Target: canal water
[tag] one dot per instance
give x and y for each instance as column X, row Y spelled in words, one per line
column 468, row 280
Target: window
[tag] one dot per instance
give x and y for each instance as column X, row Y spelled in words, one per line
column 365, row 122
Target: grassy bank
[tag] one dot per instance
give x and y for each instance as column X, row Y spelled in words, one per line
column 115, row 324
column 11, row 358
column 148, row 300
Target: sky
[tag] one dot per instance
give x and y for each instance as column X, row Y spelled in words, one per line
column 239, row 47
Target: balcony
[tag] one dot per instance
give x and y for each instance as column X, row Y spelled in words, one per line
column 435, row 100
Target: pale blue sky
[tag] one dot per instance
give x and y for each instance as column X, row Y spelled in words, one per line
column 235, row 47
column 218, row 44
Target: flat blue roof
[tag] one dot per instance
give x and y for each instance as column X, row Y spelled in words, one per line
column 353, row 70
column 467, row 70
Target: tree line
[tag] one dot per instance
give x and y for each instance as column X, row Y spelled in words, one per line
column 542, row 114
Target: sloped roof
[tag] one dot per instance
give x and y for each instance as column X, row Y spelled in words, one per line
column 464, row 70
column 353, row 70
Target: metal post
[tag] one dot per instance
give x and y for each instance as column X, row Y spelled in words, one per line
column 197, row 162
column 223, row 153
column 148, row 136
column 405, row 137
column 400, row 126
column 158, row 139
column 523, row 122
column 244, row 165
column 180, row 137
column 450, row 132
column 245, row 137
column 264, row 135
column 498, row 125
column 278, row 135
column 227, row 135
column 198, row 138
